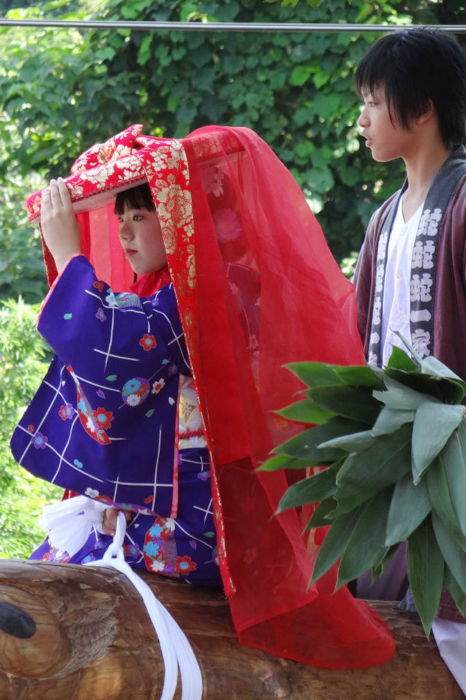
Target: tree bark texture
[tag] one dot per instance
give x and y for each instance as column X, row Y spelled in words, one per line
column 80, row 633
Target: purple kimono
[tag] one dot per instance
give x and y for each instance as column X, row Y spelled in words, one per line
column 116, row 418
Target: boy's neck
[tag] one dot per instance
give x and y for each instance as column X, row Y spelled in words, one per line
column 423, row 165
column 421, row 168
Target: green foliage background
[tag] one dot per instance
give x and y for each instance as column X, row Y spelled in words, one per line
column 62, row 90
column 24, row 359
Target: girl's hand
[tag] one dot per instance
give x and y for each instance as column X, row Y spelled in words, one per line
column 109, row 519
column 58, row 224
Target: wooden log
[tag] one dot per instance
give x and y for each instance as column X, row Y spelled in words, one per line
column 82, row 633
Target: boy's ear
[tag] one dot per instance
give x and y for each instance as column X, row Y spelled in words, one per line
column 427, row 114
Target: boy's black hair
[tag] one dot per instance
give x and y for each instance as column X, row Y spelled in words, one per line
column 136, row 198
column 416, row 66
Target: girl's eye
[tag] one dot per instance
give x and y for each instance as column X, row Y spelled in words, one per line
column 138, row 217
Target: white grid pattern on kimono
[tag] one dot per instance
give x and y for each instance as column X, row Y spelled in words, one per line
column 110, row 340
column 199, row 461
column 207, row 512
column 57, row 390
column 62, row 458
column 73, row 466
column 157, row 467
column 99, row 386
column 193, row 537
column 65, row 448
column 175, row 338
column 107, row 353
column 117, row 357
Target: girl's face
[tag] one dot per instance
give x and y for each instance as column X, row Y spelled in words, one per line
column 141, row 240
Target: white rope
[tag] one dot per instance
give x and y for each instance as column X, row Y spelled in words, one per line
column 174, row 645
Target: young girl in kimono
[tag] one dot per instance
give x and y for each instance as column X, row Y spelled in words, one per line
column 143, row 334
column 160, row 399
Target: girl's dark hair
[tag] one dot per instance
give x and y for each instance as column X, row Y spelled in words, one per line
column 136, row 198
column 416, row 66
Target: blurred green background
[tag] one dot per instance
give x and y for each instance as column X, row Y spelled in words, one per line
column 62, row 90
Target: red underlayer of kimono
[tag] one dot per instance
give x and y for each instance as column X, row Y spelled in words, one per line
column 256, row 287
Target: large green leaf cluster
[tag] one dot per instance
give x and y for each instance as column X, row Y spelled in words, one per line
column 23, row 359
column 394, row 442
column 61, row 90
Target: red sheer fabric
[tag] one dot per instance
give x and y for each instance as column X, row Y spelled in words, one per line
column 257, row 287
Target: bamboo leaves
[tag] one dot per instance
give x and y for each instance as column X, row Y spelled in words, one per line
column 310, row 490
column 410, row 505
column 395, row 443
column 425, row 566
column 433, row 426
column 366, row 546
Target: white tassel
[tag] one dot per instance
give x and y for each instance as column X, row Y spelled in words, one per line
column 177, row 652
column 69, row 523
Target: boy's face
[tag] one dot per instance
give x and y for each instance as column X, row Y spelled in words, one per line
column 141, row 239
column 386, row 138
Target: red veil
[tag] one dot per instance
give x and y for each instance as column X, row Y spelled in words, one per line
column 257, row 287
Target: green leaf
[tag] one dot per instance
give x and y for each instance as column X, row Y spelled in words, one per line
column 364, row 474
column 319, row 517
column 366, row 546
column 426, row 570
column 355, row 404
column 440, row 497
column 304, row 445
column 433, row 425
column 455, row 469
column 361, row 376
column 399, row 396
column 306, row 411
column 321, row 374
column 430, row 365
column 276, row 462
column 334, row 545
column 454, row 556
column 309, row 490
column 410, row 505
column 445, row 390
column 144, row 49
column 391, row 419
column 356, row 442
column 315, row 373
column 399, row 359
column 300, row 75
column 455, row 591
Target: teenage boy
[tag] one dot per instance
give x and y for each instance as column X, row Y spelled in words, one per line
column 411, row 274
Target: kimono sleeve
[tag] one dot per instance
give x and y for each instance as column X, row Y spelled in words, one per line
column 92, row 330
column 103, row 420
column 363, row 278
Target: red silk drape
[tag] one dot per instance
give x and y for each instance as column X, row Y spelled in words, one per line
column 257, row 287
